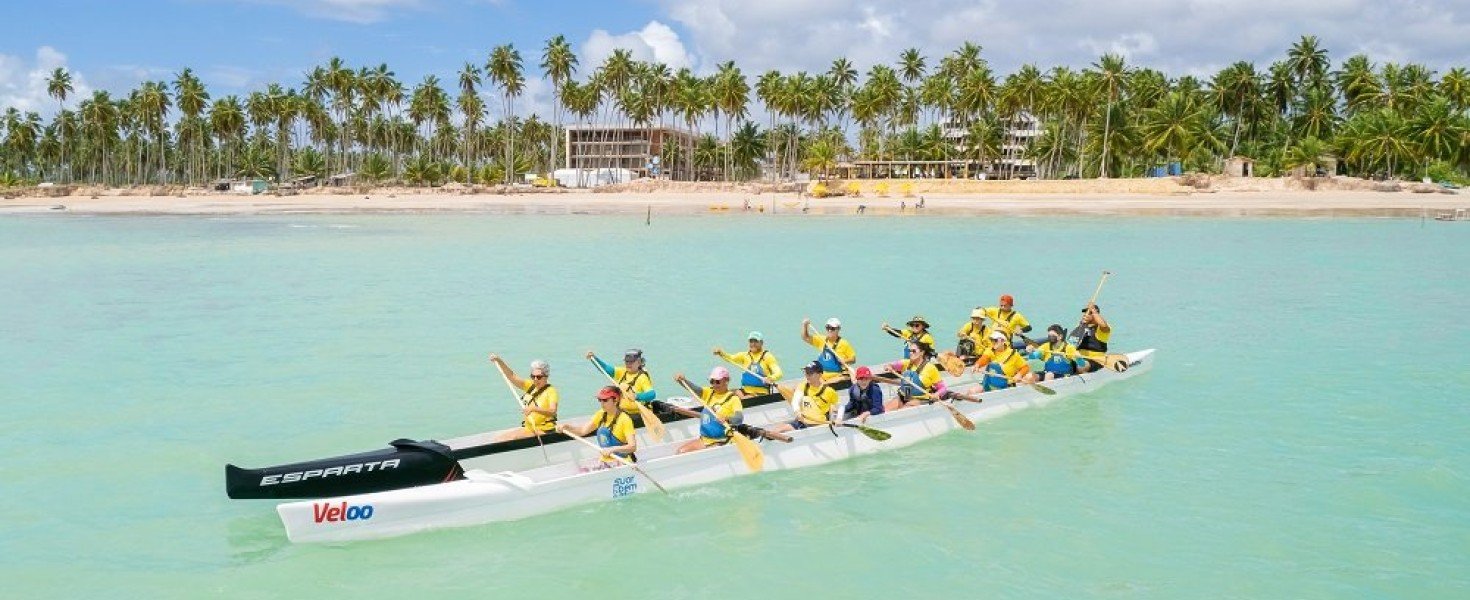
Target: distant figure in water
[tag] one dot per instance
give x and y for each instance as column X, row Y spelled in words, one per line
column 921, row 203
column 747, row 205
column 862, row 208
column 901, row 206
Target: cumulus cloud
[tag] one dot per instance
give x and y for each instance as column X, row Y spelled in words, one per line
column 23, row 82
column 654, row 42
column 1177, row 36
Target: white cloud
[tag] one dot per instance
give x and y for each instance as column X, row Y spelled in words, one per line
column 1177, row 36
column 23, row 83
column 655, row 42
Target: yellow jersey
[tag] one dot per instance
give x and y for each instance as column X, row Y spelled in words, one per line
column 619, row 433
column 726, row 406
column 545, row 398
column 816, row 405
column 975, row 333
column 763, row 362
column 928, row 375
column 1014, row 321
column 1101, row 334
column 831, row 371
column 634, row 383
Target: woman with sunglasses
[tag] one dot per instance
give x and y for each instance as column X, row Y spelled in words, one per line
column 615, row 431
column 632, row 378
column 1001, row 365
column 719, row 400
column 538, row 402
column 836, row 351
column 918, row 330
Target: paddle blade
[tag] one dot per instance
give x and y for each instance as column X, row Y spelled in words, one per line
column 1044, row 390
column 953, row 364
column 1116, row 362
column 749, row 452
column 873, row 434
column 960, row 418
column 652, row 422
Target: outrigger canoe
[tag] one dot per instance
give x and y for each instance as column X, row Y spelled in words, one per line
column 484, row 496
column 410, row 463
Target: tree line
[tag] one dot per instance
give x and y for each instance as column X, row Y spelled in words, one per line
column 1109, row 119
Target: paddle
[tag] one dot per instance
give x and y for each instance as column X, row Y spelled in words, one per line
column 749, row 452
column 1047, row 391
column 619, row 458
column 517, row 395
column 755, row 431
column 650, row 420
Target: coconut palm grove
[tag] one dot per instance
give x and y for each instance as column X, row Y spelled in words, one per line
column 1109, row 119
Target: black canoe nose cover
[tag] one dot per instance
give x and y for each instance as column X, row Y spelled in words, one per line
column 406, row 463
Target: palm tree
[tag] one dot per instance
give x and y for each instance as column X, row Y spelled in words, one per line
column 58, row 86
column 1176, row 127
column 227, row 121
column 192, row 98
column 1112, row 78
column 558, row 64
column 473, row 110
column 911, row 65
column 504, row 69
column 1308, row 62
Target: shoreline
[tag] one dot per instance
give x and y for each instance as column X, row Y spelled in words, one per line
column 1275, row 203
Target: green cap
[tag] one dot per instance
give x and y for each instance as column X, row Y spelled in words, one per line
column 756, row 336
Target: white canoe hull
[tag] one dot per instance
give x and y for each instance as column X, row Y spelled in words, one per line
column 486, row 496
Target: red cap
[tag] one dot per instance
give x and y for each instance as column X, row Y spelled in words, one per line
column 864, row 373
column 1007, row 299
column 608, row 393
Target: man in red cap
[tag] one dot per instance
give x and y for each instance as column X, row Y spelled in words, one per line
column 614, row 428
column 864, row 398
column 1008, row 321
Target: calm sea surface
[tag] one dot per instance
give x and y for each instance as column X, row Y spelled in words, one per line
column 1305, row 433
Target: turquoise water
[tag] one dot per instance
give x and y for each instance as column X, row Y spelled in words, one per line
column 1304, row 433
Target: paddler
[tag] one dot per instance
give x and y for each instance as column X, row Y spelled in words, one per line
column 817, row 401
column 718, row 399
column 836, row 350
column 1060, row 357
column 864, row 397
column 918, row 330
column 920, row 380
column 973, row 335
column 1001, row 364
column 539, row 400
column 632, row 378
column 761, row 369
column 1091, row 336
column 614, row 428
column 1009, row 321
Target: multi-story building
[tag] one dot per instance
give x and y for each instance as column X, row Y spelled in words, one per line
column 1021, row 129
column 636, row 149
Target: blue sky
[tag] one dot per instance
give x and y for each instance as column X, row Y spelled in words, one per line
column 238, row 45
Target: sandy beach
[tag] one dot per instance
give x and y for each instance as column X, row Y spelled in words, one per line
column 1243, row 198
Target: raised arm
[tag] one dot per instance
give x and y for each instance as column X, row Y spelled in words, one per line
column 510, row 373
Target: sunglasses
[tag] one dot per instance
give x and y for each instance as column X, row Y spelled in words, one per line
column 607, row 399
column 718, row 380
column 538, row 377
column 831, row 328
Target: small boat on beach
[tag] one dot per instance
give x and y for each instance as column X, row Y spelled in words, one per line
column 484, row 496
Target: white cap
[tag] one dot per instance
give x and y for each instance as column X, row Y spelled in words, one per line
column 833, row 322
column 997, row 335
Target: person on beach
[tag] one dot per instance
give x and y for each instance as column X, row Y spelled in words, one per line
column 719, row 400
column 973, row 336
column 918, row 330
column 864, row 398
column 539, row 400
column 761, row 369
column 836, row 351
column 1002, row 365
column 816, row 403
column 632, row 378
column 1009, row 321
column 1059, row 357
column 614, row 428
column 1091, row 337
